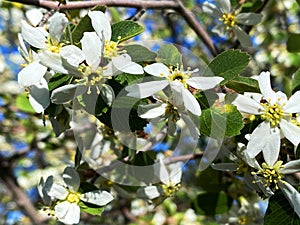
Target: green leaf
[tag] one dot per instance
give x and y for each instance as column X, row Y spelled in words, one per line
column 212, row 203
column 280, row 211
column 169, row 55
column 296, row 81
column 127, row 79
column 84, row 25
column 293, row 43
column 60, row 123
column 59, row 80
column 91, row 209
column 221, row 121
column 124, row 30
column 243, row 84
column 228, row 65
column 139, row 53
column 23, row 103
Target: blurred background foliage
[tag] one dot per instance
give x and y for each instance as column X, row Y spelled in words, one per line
column 30, row 150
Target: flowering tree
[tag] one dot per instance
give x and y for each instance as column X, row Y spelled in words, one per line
column 182, row 112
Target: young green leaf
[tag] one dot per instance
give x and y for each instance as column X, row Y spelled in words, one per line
column 124, row 30
column 169, row 55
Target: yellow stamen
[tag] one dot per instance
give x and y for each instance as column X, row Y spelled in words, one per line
column 228, row 19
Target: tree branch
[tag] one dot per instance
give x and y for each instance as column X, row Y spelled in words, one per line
column 176, row 5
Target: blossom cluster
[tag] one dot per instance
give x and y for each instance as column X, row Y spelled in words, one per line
column 89, row 74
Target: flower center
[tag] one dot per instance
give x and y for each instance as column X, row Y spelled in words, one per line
column 73, row 197
column 179, row 74
column 242, row 168
column 170, row 190
column 273, row 113
column 111, row 48
column 271, row 174
column 242, row 220
column 228, row 19
column 171, row 112
column 91, row 77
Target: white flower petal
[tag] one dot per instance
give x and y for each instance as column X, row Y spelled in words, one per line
column 31, row 74
column 242, row 36
column 71, row 178
column 264, row 82
column 290, row 131
column 255, row 145
column 68, row 213
column 247, row 105
column 146, row 89
column 39, row 96
column 176, row 173
column 97, row 197
column 151, row 111
column 57, row 63
column 272, row 146
column 67, row 93
column 22, row 48
column 92, row 48
column 58, row 191
column 210, row 153
column 229, row 167
column 248, row 18
column 204, row 83
column 149, row 192
column 291, row 167
column 160, row 170
column 194, row 131
column 33, row 36
column 58, row 22
column 100, row 24
column 292, row 195
column 123, row 63
column 43, row 189
column 72, row 54
column 225, row 5
column 190, row 101
column 34, row 16
column 292, row 105
column 211, row 10
column 157, row 69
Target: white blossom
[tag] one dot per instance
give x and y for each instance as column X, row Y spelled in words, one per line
column 230, row 19
column 276, row 111
column 67, row 209
column 171, row 77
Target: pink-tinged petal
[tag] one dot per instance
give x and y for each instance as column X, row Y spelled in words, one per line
column 92, row 48
column 71, row 178
column 204, row 83
column 157, row 69
column 68, row 213
column 58, row 191
column 97, row 197
column 290, row 131
column 255, row 144
column 264, row 82
column 292, row 195
column 100, row 24
column 149, row 192
column 292, row 105
column 248, row 105
column 272, row 147
column 146, row 89
column 291, row 167
column 31, row 74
